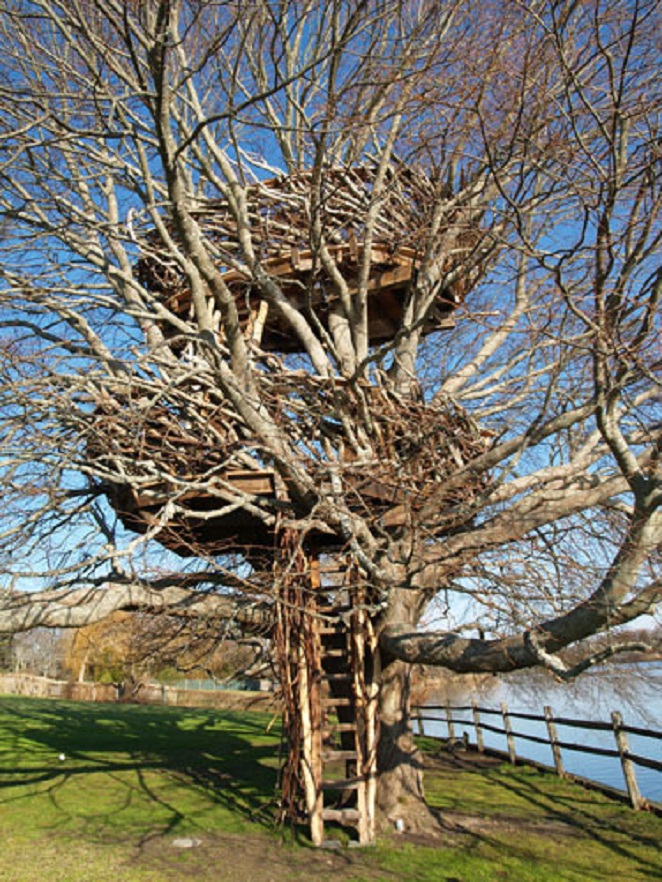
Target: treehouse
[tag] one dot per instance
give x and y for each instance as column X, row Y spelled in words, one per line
column 206, row 490
column 313, row 272
column 187, row 470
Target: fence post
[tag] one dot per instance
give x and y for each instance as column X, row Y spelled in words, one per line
column 626, row 763
column 419, row 715
column 512, row 756
column 554, row 742
column 449, row 722
column 480, row 744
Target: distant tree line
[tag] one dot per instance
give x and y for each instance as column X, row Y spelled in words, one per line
column 126, row 648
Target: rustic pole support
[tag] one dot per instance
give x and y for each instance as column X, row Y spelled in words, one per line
column 258, row 319
column 554, row 741
column 309, row 770
column 371, row 722
column 512, row 756
column 480, row 744
column 626, row 763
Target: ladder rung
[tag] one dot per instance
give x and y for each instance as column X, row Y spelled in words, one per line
column 339, row 676
column 336, row 702
column 342, row 816
column 332, row 728
column 335, row 652
column 328, row 756
column 332, row 643
column 343, row 784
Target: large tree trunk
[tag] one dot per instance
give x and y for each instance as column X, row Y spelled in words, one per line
column 400, row 795
column 400, row 784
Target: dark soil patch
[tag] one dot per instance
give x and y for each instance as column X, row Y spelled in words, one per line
column 448, row 760
column 481, row 825
column 236, row 858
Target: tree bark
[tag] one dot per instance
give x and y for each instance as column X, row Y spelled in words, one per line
column 400, row 793
column 76, row 607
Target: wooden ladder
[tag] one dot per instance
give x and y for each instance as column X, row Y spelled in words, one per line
column 345, row 777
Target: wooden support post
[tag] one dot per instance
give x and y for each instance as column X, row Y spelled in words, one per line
column 371, row 716
column 357, row 661
column 480, row 744
column 449, row 722
column 310, row 770
column 512, row 756
column 626, row 763
column 419, row 719
column 257, row 320
column 554, row 741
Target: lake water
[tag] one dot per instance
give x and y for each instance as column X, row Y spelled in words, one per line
column 635, row 693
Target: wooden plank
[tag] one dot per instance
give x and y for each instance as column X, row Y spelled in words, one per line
column 627, row 766
column 510, row 735
column 336, row 702
column 553, row 740
column 367, row 797
column 255, row 483
column 332, row 728
column 330, row 756
column 343, row 784
column 387, row 493
column 341, row 816
column 299, row 261
column 316, row 821
column 358, row 669
column 261, row 482
column 309, row 766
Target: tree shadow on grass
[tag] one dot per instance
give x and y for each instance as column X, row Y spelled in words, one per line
column 555, row 808
column 168, row 769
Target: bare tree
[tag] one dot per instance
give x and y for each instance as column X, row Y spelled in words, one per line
column 393, row 264
column 132, row 648
column 39, row 652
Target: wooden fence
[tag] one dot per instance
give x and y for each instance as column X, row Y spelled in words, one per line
column 503, row 721
column 143, row 693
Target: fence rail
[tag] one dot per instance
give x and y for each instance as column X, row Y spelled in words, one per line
column 458, row 715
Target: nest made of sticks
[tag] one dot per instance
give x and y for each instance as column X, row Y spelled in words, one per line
column 383, row 453
column 294, row 214
column 418, row 447
column 410, row 448
column 161, row 438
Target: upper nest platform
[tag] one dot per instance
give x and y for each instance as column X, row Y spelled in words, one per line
column 309, row 235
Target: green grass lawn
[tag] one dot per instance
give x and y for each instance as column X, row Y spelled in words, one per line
column 135, row 780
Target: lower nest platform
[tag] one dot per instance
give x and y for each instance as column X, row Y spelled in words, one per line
column 180, row 486
column 206, row 522
column 201, row 522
